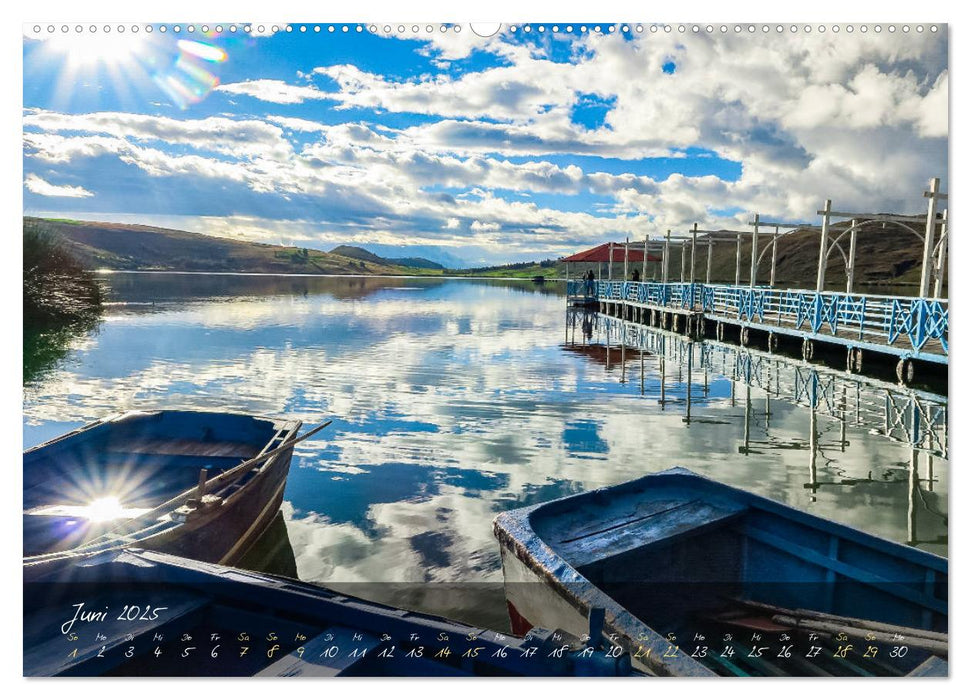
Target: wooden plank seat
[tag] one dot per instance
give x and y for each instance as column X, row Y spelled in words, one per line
column 650, row 522
column 191, row 448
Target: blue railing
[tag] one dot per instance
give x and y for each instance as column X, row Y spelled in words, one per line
column 916, row 324
column 676, row 295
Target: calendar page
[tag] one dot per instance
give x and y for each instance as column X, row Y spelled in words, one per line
column 539, row 349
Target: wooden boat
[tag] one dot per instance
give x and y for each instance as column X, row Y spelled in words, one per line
column 202, row 485
column 678, row 561
column 137, row 613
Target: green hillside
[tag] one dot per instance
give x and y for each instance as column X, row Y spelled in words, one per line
column 888, row 257
column 350, row 251
column 135, row 247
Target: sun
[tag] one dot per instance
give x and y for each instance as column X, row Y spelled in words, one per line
column 133, row 65
column 109, row 50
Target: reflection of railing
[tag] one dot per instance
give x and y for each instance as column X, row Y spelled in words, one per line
column 912, row 326
column 903, row 415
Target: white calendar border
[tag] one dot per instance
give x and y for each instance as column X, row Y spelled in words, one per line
column 709, row 11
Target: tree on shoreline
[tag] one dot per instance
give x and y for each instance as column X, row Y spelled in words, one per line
column 57, row 289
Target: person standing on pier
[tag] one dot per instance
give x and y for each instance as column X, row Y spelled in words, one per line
column 636, row 277
column 590, row 282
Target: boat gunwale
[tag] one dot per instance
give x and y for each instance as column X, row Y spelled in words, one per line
column 529, row 514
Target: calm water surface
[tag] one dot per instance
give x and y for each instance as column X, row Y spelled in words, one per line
column 453, row 400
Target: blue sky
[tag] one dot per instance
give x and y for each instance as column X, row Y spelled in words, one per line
column 513, row 147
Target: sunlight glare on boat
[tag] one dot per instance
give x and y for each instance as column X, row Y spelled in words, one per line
column 107, row 508
column 99, row 510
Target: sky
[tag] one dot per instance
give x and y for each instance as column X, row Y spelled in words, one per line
column 475, row 150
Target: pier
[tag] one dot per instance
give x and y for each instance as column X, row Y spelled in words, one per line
column 917, row 420
column 910, row 331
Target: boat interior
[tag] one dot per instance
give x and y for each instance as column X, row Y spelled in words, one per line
column 689, row 560
column 75, row 486
column 232, row 627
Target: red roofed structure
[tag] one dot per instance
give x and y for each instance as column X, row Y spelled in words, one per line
column 602, row 254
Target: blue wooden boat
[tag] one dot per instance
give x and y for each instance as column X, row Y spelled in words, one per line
column 678, row 561
column 133, row 612
column 197, row 484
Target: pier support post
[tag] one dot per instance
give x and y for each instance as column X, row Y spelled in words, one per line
column 644, row 266
column 626, row 256
column 666, row 257
column 610, row 265
column 851, row 263
column 808, row 349
column 694, row 245
column 738, row 259
column 682, row 261
column 941, row 259
column 775, row 239
column 929, row 231
column 753, row 273
column 823, row 246
column 708, row 264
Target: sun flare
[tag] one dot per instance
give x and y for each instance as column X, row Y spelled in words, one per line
column 80, row 51
column 103, row 509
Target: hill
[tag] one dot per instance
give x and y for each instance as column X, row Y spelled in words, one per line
column 350, row 251
column 137, row 247
column 885, row 257
column 888, row 257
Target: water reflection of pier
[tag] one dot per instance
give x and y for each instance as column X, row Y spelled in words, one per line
column 917, row 419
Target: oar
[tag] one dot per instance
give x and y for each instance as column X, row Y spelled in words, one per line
column 804, row 618
column 822, row 626
column 239, row 469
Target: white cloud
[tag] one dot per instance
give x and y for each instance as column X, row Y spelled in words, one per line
column 276, row 91
column 861, row 120
column 38, row 185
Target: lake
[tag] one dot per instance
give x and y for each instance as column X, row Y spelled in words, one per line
column 454, row 400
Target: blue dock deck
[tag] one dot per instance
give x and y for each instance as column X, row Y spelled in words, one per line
column 907, row 328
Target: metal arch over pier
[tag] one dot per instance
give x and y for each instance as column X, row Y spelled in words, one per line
column 907, row 328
